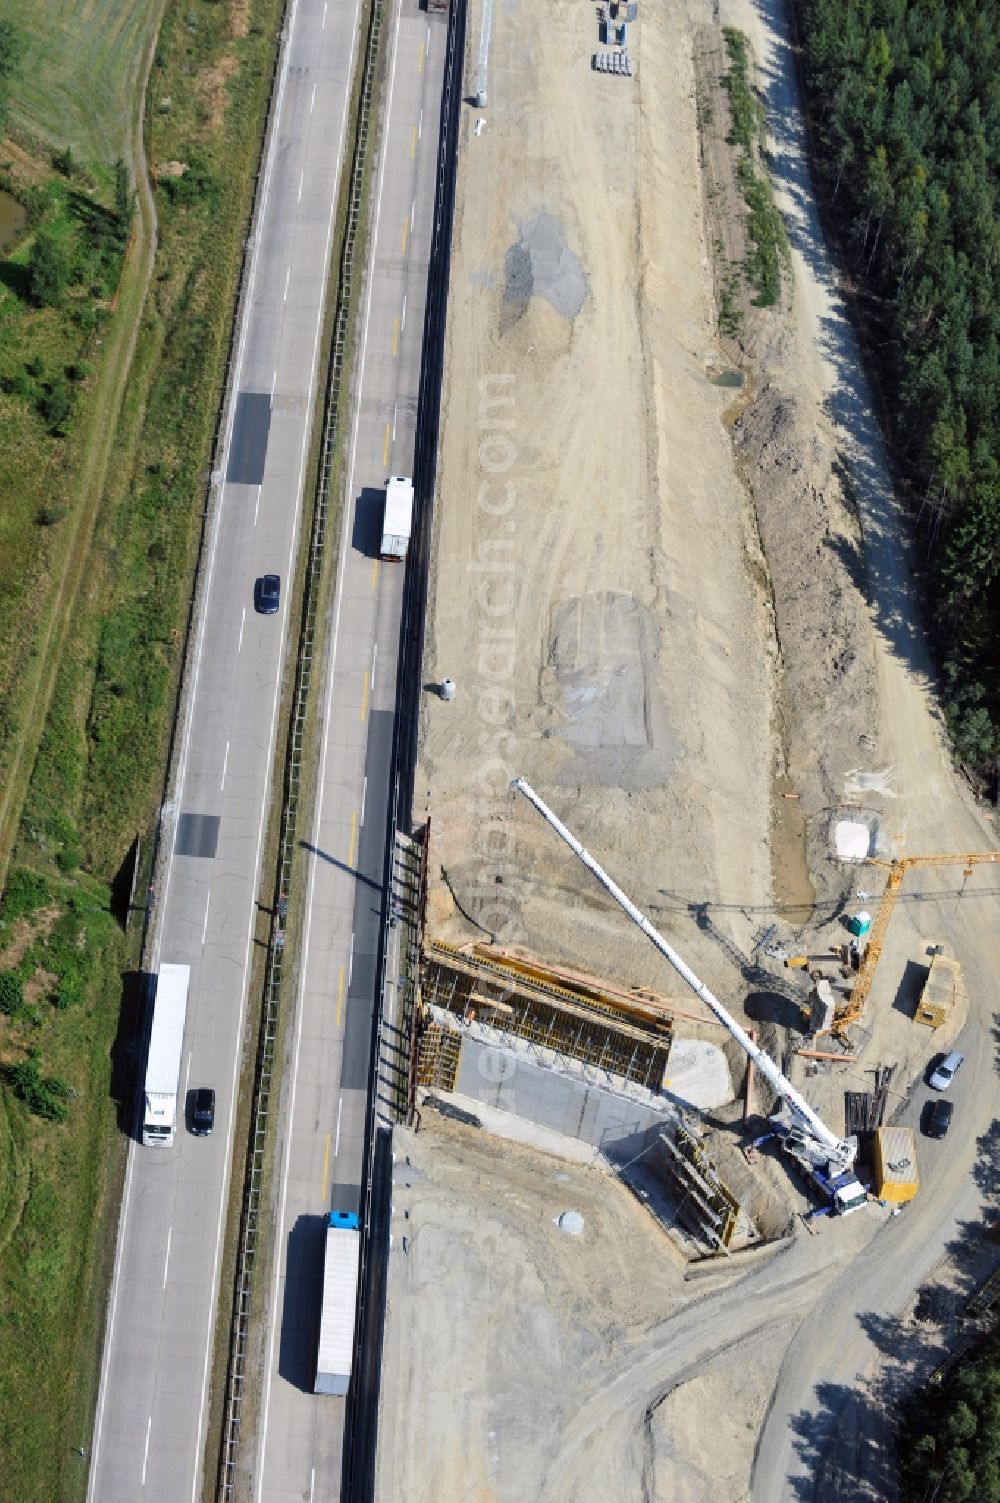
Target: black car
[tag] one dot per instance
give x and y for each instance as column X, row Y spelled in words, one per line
column 267, row 594
column 937, row 1117
column 203, row 1112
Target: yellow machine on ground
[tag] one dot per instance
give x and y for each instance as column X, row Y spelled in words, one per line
column 854, row 1008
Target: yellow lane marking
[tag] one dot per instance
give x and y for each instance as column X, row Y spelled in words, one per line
column 395, row 336
column 385, row 447
column 364, row 698
column 420, row 59
column 374, row 573
column 354, row 839
column 406, row 232
column 413, row 142
column 326, row 1167
column 340, row 1002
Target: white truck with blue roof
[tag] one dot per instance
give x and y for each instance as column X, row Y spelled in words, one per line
column 335, row 1352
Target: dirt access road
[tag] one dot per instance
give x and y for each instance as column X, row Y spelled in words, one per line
column 584, row 452
column 824, row 1437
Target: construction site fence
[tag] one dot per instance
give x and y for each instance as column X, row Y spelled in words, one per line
column 361, row 1429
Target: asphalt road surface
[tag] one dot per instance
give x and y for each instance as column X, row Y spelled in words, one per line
column 151, row 1413
column 323, row 1106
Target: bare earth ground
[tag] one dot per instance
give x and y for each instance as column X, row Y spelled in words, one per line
column 663, row 644
column 595, row 590
column 538, row 1315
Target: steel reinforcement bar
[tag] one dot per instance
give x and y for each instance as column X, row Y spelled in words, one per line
column 307, row 655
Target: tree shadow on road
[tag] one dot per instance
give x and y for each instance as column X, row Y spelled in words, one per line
column 850, row 1440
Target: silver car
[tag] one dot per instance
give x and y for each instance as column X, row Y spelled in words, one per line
column 946, row 1071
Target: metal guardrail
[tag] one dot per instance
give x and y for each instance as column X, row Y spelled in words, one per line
column 953, row 1358
column 260, row 1110
column 982, row 1300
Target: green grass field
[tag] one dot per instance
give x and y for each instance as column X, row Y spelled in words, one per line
column 108, row 683
column 78, row 80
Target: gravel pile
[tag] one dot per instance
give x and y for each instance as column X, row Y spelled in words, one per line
column 542, row 265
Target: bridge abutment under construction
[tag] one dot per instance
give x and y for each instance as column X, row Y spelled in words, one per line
column 572, row 1055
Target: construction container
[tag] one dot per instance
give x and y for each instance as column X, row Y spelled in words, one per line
column 944, row 980
column 897, row 1177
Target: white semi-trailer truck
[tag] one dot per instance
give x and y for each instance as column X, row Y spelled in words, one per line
column 163, row 1063
column 397, row 519
column 340, row 1297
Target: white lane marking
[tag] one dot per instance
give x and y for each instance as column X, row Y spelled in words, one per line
column 208, row 904
column 274, row 382
column 213, row 551
column 319, row 801
column 312, row 101
column 374, row 656
column 312, row 1484
column 225, row 764
column 166, row 1261
column 324, row 15
column 427, row 52
column 340, row 1108
column 243, row 622
column 288, row 278
column 413, row 211
column 179, row 785
column 395, row 409
column 364, row 795
column 350, row 962
column 420, row 123
column 256, row 510
column 402, row 321
column 302, row 178
column 187, row 1073
column 145, row 1454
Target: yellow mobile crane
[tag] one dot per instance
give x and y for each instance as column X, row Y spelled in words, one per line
column 854, row 1008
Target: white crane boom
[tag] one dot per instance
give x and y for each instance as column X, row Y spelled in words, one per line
column 841, row 1151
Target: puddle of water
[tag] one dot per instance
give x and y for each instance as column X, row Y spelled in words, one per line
column 728, row 378
column 13, row 218
column 793, row 890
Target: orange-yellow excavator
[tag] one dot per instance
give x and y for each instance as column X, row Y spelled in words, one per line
column 854, row 1008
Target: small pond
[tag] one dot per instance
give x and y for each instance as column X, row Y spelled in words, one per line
column 731, row 378
column 13, row 218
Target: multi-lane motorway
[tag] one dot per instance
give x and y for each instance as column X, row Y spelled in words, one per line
column 323, row 1117
column 151, row 1417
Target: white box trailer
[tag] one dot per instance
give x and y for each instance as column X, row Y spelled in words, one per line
column 163, row 1063
column 397, row 519
column 340, row 1297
